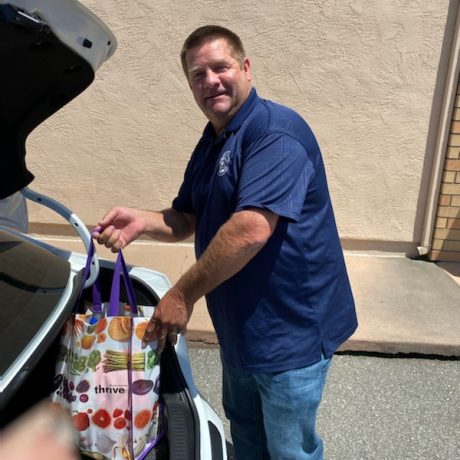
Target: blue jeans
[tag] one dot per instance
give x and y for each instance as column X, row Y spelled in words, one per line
column 273, row 415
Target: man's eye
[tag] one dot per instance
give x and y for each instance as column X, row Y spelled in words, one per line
column 197, row 75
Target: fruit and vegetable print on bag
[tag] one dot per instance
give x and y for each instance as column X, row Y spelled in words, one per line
column 107, row 379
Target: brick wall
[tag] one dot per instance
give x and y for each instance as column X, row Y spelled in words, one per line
column 446, row 238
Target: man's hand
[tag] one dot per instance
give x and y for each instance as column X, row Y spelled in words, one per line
column 170, row 318
column 119, row 227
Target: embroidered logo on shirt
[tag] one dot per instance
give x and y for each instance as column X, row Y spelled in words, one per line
column 224, row 163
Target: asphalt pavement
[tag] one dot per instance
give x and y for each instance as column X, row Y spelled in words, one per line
column 374, row 407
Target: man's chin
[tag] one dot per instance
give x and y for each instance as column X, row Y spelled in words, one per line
column 218, row 110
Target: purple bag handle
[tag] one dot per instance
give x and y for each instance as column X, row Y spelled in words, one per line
column 121, row 270
column 113, row 310
column 159, row 435
column 96, row 288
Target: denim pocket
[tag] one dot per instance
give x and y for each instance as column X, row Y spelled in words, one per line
column 297, row 378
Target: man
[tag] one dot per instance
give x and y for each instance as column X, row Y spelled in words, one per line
column 269, row 258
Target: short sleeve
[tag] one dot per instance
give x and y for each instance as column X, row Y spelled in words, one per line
column 183, row 200
column 275, row 174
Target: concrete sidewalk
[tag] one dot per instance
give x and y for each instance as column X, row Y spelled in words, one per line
column 403, row 305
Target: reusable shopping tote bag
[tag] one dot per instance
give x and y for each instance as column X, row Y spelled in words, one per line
column 109, row 382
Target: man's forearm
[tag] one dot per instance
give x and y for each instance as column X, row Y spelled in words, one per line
column 168, row 225
column 235, row 244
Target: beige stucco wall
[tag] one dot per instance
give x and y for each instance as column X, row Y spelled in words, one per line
column 363, row 74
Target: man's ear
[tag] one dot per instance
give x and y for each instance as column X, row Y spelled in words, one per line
column 247, row 68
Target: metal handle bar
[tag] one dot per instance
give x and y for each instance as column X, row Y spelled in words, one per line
column 74, row 220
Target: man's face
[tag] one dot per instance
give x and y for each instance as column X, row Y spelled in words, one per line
column 220, row 84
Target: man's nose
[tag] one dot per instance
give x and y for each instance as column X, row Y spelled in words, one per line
column 212, row 78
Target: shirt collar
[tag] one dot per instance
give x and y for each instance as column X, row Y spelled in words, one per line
column 244, row 111
column 236, row 121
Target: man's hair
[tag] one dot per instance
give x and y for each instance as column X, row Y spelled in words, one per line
column 208, row 33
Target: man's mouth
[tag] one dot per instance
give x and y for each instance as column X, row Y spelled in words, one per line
column 215, row 96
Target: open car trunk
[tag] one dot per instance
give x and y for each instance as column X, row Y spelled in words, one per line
column 40, row 74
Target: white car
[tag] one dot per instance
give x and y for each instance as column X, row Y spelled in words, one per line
column 50, row 50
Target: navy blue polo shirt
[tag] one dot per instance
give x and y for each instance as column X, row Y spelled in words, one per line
column 293, row 300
